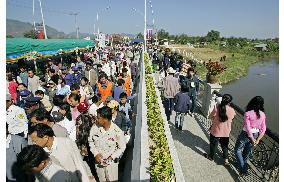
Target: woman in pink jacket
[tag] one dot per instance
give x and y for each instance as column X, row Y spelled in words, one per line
column 254, row 128
column 222, row 117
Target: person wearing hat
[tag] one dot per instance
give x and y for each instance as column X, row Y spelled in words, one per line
column 22, row 94
column 192, row 83
column 171, row 87
column 31, row 104
column 76, row 75
column 16, row 118
column 106, row 141
column 118, row 117
column 51, row 65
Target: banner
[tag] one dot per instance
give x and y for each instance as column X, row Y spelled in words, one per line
column 149, row 34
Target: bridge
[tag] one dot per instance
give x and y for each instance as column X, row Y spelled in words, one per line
column 186, row 147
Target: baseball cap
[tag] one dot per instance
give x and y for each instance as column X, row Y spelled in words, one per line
column 57, row 116
column 83, row 107
column 30, row 101
column 112, row 104
column 24, row 93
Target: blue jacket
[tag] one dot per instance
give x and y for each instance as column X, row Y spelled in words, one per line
column 182, row 102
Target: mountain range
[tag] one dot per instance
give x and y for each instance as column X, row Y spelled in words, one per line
column 17, row 28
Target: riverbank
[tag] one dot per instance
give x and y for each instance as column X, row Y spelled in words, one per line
column 237, row 64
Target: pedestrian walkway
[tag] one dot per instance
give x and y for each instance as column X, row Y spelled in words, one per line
column 190, row 144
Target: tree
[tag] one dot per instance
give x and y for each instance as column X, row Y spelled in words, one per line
column 162, row 34
column 213, row 36
column 31, row 34
column 9, row 36
column 140, row 36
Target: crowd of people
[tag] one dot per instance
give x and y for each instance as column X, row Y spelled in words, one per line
column 180, row 90
column 73, row 121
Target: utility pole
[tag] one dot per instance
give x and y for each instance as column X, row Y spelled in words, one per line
column 44, row 29
column 76, row 26
column 34, row 14
column 145, row 26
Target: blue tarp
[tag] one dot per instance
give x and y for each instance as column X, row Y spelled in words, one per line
column 137, row 41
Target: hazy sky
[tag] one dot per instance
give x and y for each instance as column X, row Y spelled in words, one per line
column 239, row 18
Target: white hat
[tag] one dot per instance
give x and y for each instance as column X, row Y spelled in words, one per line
column 171, row 70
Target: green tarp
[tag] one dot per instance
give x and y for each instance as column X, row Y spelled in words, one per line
column 17, row 46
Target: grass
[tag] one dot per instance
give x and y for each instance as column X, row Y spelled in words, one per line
column 237, row 65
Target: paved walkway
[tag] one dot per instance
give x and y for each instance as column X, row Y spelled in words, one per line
column 191, row 143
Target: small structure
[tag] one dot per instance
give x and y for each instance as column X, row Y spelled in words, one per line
column 261, row 47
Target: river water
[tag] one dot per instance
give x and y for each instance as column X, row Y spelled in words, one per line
column 262, row 79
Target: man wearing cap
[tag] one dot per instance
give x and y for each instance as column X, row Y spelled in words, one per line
column 16, row 118
column 76, row 75
column 107, row 144
column 33, row 81
column 31, row 104
column 171, row 88
column 91, row 74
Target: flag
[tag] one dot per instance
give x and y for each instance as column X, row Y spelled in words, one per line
column 149, row 34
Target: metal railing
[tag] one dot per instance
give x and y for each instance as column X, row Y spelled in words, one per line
column 264, row 163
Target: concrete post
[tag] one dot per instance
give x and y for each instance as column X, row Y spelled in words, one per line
column 208, row 101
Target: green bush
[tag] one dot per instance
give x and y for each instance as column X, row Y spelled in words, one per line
column 161, row 168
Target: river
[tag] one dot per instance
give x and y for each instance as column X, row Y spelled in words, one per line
column 262, row 79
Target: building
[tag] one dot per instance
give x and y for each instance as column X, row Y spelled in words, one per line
column 261, row 47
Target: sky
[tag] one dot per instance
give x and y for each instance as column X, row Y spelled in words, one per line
column 238, row 18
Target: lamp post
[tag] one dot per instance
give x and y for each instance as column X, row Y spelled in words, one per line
column 145, row 26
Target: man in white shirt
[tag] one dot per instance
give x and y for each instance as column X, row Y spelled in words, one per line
column 16, row 118
column 33, row 81
column 63, row 149
column 33, row 159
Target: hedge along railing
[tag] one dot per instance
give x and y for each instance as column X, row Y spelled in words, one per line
column 164, row 164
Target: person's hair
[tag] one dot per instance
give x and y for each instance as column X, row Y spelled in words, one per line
column 124, row 64
column 184, row 88
column 10, row 77
column 226, row 99
column 85, row 79
column 105, row 112
column 124, row 70
column 102, row 75
column 74, row 87
column 123, row 95
column 42, row 79
column 39, row 92
column 76, row 97
column 31, row 156
column 256, row 104
column 84, row 129
column 189, row 70
column 41, row 130
column 58, row 100
column 62, row 80
column 66, row 107
column 40, row 114
column 31, row 70
column 120, row 82
column 22, row 84
column 95, row 99
column 51, row 71
column 99, row 65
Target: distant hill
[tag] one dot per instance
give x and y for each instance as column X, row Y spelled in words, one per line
column 17, row 29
